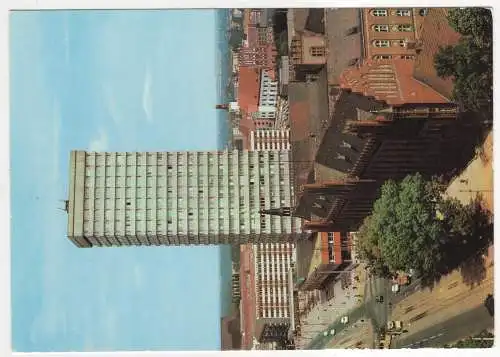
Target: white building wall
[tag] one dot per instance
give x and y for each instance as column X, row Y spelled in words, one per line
column 273, row 260
column 268, row 90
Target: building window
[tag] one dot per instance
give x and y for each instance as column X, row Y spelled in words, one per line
column 382, row 57
column 379, row 12
column 403, row 28
column 317, row 51
column 407, row 57
column 381, row 43
column 401, row 43
column 403, row 12
column 381, row 28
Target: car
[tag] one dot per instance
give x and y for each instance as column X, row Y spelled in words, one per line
column 332, row 332
column 395, row 288
column 379, row 299
column 344, row 319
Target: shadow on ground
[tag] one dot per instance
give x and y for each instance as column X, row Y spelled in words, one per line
column 466, row 248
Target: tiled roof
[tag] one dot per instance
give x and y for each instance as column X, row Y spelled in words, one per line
column 391, row 81
column 248, row 88
column 435, row 33
column 247, row 281
column 342, row 46
column 308, row 112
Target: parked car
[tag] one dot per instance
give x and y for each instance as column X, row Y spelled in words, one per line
column 394, row 326
column 395, row 288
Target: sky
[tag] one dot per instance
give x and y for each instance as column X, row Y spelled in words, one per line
column 114, row 81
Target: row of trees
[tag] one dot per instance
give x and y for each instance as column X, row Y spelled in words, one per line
column 414, row 226
column 482, row 340
column 470, row 62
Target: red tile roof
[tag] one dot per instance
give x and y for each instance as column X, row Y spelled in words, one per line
column 248, row 89
column 391, row 81
column 434, row 33
column 247, row 282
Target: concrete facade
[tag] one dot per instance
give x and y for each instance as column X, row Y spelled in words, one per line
column 179, row 198
column 271, row 139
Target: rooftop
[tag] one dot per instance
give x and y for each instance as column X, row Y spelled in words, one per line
column 308, row 108
column 343, row 46
column 390, row 81
column 433, row 34
column 248, row 89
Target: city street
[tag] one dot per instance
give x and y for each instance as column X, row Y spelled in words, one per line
column 449, row 331
column 449, row 298
column 325, row 312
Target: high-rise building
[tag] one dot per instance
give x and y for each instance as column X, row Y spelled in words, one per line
column 179, row 198
column 270, row 139
column 273, row 262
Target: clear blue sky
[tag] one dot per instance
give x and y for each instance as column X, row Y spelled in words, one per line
column 116, row 81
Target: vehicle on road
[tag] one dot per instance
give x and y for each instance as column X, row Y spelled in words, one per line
column 344, row 319
column 395, row 327
column 379, row 299
column 401, row 278
column 385, row 342
column 395, row 288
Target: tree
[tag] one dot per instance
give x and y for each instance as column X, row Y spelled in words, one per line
column 483, row 340
column 470, row 62
column 475, row 22
column 236, row 38
column 403, row 229
column 444, row 62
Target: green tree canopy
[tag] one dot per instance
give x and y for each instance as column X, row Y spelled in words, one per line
column 470, row 62
column 475, row 22
column 483, row 340
column 236, row 38
column 405, row 225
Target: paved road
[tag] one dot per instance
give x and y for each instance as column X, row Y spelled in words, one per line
column 378, row 313
column 466, row 324
column 320, row 341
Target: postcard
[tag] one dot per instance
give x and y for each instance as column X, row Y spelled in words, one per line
column 251, row 179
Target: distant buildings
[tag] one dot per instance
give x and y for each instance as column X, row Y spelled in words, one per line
column 270, row 139
column 235, row 285
column 268, row 96
column 179, row 198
